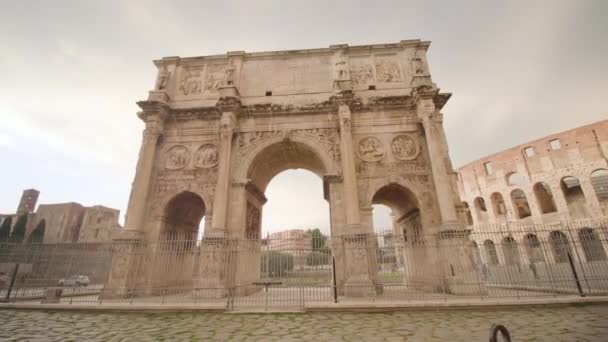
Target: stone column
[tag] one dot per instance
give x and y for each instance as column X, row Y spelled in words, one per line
column 220, row 203
column 358, row 247
column 351, row 195
column 153, row 114
column 127, row 253
column 431, row 121
column 593, row 206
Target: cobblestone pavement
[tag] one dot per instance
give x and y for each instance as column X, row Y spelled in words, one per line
column 574, row 323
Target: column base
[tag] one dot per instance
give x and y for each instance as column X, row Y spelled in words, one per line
column 360, row 286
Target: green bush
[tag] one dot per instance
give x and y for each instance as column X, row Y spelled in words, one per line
column 276, row 264
column 318, row 258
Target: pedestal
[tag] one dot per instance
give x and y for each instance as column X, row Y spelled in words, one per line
column 457, row 261
column 360, row 269
column 212, row 280
column 127, row 252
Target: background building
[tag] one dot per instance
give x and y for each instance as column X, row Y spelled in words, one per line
column 67, row 222
column 291, row 241
column 560, row 176
column 549, row 196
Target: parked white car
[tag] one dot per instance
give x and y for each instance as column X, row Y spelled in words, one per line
column 75, row 280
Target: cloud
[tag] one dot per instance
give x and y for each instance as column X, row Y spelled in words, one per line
column 71, row 72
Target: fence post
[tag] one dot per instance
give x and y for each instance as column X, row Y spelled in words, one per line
column 12, row 284
column 333, row 270
column 578, row 283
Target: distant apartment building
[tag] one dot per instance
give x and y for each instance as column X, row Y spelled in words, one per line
column 67, row 222
column 291, row 241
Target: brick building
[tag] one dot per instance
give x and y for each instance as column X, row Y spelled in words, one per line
column 67, row 222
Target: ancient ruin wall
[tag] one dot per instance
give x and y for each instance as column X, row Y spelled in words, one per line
column 560, row 176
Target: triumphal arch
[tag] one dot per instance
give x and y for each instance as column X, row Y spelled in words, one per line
column 366, row 119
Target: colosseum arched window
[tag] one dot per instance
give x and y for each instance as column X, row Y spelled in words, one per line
column 498, row 204
column 599, row 181
column 482, row 210
column 533, row 248
column 490, row 251
column 510, row 250
column 544, row 198
column 575, row 198
column 560, row 246
column 520, row 203
column 592, row 245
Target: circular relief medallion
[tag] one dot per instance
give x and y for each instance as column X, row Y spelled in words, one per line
column 404, row 147
column 371, row 149
column 206, row 156
column 177, row 157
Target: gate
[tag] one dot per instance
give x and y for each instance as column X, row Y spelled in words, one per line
column 283, row 271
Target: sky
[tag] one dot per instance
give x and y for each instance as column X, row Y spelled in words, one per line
column 71, row 72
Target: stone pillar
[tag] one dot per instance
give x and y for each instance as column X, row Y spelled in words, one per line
column 593, row 206
column 127, row 253
column 431, row 121
column 153, row 114
column 220, row 203
column 458, row 267
column 357, row 247
column 351, row 195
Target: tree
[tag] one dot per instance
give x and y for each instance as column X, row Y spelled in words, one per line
column 318, row 240
column 5, row 229
column 18, row 233
column 38, row 234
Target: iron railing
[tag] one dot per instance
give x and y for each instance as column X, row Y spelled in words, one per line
column 510, row 261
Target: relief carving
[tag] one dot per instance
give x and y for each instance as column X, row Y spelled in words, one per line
column 214, row 77
column 169, row 183
column 177, row 157
column 273, row 109
column 206, row 156
column 327, row 137
column 414, row 167
column 252, row 220
column 229, row 75
column 191, row 82
column 362, row 75
column 388, row 71
column 418, row 66
column 371, row 149
column 404, row 147
column 250, row 139
column 341, row 69
column 161, row 80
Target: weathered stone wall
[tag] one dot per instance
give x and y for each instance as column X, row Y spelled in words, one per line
column 364, row 118
column 582, row 151
column 99, row 223
column 62, row 220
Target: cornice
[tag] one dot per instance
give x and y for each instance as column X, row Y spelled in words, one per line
column 410, row 43
column 233, row 104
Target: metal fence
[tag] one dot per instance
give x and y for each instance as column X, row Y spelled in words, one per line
column 499, row 261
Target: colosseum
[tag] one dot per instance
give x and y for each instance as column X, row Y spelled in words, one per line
column 549, row 195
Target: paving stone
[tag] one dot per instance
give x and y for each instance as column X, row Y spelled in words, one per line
column 533, row 324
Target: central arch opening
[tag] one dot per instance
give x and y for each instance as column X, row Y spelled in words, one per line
column 287, row 217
